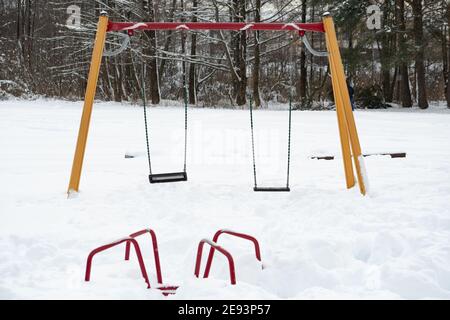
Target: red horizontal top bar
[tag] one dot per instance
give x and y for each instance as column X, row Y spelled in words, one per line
column 236, row 26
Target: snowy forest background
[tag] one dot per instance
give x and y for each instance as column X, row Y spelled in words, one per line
column 405, row 62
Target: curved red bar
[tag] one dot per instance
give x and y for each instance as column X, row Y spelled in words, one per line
column 236, row 26
column 214, row 246
column 155, row 251
column 113, row 244
column 236, row 234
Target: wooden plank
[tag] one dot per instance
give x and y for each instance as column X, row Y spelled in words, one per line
column 338, row 75
column 392, row 155
column 94, row 71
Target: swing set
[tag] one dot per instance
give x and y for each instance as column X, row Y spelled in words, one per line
column 350, row 145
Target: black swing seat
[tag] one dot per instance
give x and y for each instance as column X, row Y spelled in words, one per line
column 167, row 177
column 271, row 189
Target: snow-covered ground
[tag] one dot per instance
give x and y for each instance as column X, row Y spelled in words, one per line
column 318, row 241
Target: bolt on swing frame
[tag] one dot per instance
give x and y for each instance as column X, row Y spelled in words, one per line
column 347, row 128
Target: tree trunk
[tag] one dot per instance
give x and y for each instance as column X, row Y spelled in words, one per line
column 19, row 25
column 311, row 79
column 192, row 67
column 240, row 53
column 106, row 80
column 257, row 54
column 405, row 92
column 117, row 77
column 303, row 71
column 29, row 39
column 168, row 41
column 419, row 56
column 386, row 83
column 386, row 53
column 444, row 47
column 152, row 65
column 183, row 53
column 447, row 91
column 385, row 57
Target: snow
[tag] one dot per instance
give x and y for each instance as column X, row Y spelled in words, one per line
column 320, row 241
column 364, row 176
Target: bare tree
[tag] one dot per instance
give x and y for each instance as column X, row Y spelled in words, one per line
column 153, row 76
column 257, row 55
column 240, row 53
column 405, row 92
column 41, row 55
column 447, row 77
column 419, row 56
column 303, row 70
column 192, row 65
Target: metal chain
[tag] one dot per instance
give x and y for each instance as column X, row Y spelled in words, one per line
column 289, row 141
column 185, row 123
column 253, row 141
column 290, row 118
column 147, row 139
column 145, row 116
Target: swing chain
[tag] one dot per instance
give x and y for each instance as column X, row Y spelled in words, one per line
column 185, row 95
column 145, row 115
column 147, row 138
column 253, row 140
column 289, row 133
column 185, row 126
column 289, row 142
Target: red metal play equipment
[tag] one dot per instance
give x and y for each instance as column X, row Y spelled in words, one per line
column 114, row 244
column 155, row 250
column 236, row 234
column 214, row 247
column 168, row 289
column 236, row 26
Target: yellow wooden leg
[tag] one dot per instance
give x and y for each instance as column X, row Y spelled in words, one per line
column 340, row 82
column 88, row 102
column 343, row 130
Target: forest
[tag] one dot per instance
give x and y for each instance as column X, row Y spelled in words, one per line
column 404, row 61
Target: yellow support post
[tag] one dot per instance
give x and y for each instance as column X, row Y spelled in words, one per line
column 343, row 131
column 343, row 106
column 94, row 71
